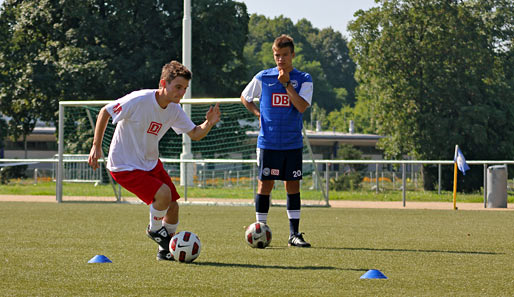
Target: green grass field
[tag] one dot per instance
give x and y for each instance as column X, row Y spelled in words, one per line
column 46, row 246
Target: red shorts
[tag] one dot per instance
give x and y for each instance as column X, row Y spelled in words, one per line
column 146, row 183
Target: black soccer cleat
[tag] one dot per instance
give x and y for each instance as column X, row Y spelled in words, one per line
column 298, row 241
column 164, row 255
column 160, row 236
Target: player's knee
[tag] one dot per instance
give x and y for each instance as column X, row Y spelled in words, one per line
column 292, row 186
column 266, row 186
column 163, row 196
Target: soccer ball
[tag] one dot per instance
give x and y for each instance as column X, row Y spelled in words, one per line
column 185, row 246
column 258, row 235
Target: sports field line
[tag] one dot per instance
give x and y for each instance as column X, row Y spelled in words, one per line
column 246, row 202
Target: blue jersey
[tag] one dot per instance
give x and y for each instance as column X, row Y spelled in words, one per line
column 281, row 122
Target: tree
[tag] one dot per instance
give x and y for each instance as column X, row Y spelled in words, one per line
column 360, row 115
column 3, row 135
column 352, row 173
column 102, row 49
column 321, row 53
column 23, row 75
column 331, row 49
column 220, row 30
column 436, row 74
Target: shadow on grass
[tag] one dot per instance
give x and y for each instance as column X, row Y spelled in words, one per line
column 414, row 251
column 253, row 266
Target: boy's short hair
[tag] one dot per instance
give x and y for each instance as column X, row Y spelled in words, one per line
column 282, row 41
column 173, row 69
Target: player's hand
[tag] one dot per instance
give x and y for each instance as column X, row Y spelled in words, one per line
column 213, row 115
column 94, row 155
column 283, row 76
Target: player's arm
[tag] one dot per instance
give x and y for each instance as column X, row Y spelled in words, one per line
column 297, row 100
column 212, row 116
column 251, row 107
column 96, row 149
column 252, row 90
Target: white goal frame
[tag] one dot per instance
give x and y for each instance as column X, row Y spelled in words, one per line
column 60, row 165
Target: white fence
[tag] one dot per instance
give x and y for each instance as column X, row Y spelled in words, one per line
column 74, row 162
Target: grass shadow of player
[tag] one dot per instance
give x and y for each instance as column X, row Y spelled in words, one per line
column 285, row 267
column 410, row 250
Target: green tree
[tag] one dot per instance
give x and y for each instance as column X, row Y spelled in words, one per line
column 220, row 29
column 360, row 114
column 102, row 49
column 436, row 73
column 331, row 49
column 322, row 53
column 23, row 70
column 352, row 173
column 3, row 135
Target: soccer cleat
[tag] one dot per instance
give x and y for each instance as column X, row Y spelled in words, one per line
column 160, row 236
column 165, row 255
column 297, row 240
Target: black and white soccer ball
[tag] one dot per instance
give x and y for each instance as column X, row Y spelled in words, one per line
column 185, row 246
column 258, row 235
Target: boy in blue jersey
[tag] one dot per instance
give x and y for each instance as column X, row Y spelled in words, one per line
column 284, row 94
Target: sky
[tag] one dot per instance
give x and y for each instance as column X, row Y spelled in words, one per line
column 321, row 13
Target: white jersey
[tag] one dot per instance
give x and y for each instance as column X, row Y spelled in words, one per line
column 141, row 123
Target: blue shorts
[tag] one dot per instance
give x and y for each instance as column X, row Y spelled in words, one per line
column 280, row 165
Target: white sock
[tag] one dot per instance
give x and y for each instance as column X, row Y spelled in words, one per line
column 261, row 217
column 156, row 217
column 171, row 228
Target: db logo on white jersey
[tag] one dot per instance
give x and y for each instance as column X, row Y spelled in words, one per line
column 117, row 108
column 280, row 100
column 154, row 128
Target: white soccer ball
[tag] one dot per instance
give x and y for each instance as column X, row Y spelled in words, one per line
column 185, row 246
column 258, row 235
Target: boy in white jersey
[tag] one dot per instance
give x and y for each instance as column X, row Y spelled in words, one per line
column 142, row 118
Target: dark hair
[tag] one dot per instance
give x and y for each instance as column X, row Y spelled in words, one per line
column 282, row 41
column 173, row 69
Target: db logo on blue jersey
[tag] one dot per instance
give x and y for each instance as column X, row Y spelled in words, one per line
column 280, row 100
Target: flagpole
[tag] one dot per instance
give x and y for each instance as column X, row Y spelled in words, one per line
column 455, row 169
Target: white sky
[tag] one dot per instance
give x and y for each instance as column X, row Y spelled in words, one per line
column 321, row 13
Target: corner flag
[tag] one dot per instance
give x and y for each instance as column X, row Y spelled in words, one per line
column 461, row 161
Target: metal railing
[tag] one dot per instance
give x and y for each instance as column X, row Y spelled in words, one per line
column 327, row 163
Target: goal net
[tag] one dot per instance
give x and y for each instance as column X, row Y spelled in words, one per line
column 224, row 158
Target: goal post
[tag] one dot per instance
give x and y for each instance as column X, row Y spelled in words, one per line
column 233, row 138
column 61, row 147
